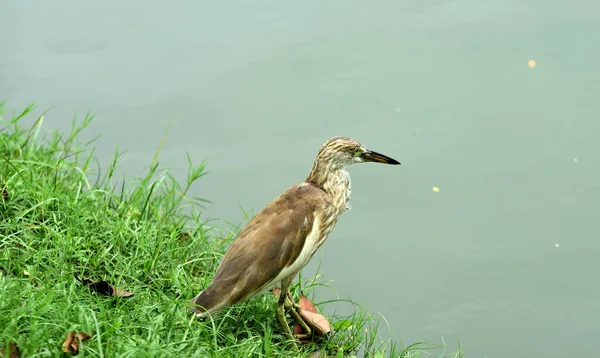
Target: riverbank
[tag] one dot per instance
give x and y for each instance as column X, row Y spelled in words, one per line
column 62, row 222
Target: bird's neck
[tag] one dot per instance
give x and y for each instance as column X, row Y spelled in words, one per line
column 335, row 181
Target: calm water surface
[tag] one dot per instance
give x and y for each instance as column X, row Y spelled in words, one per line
column 503, row 259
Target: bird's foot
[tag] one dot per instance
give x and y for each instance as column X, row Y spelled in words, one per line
column 301, row 336
column 294, row 309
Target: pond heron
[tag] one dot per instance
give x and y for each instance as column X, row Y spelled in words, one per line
column 282, row 238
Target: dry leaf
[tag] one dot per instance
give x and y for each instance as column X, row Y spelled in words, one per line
column 83, row 336
column 317, row 322
column 298, row 330
column 104, row 288
column 71, row 343
column 67, row 344
column 306, row 305
column 4, row 193
column 13, row 351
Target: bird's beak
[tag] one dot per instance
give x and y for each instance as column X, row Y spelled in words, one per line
column 371, row 156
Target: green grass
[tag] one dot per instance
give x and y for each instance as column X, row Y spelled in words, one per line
column 60, row 217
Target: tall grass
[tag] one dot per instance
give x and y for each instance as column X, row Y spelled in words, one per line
column 60, row 217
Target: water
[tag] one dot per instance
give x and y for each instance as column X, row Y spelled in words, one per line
column 503, row 259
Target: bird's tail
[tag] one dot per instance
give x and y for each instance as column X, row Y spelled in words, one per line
column 197, row 306
column 205, row 303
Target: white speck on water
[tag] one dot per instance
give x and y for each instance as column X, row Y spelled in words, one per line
column 398, row 110
column 556, row 245
column 575, row 160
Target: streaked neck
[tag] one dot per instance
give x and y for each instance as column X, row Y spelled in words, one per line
column 334, row 180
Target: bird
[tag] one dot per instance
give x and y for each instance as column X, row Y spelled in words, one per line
column 282, row 238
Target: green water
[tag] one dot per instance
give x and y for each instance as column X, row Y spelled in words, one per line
column 503, row 259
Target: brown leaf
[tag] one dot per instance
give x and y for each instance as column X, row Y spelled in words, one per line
column 307, row 305
column 298, row 330
column 66, row 346
column 13, row 351
column 71, row 343
column 104, row 288
column 317, row 322
column 4, row 193
column 122, row 293
column 83, row 336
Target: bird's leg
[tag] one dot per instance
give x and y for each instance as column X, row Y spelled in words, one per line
column 286, row 329
column 281, row 307
column 294, row 309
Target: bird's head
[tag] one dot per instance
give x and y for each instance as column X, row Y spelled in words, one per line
column 340, row 152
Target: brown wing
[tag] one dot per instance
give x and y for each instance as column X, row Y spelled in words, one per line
column 271, row 241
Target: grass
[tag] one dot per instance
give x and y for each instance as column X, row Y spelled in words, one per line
column 60, row 218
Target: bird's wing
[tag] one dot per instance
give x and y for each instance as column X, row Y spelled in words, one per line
column 270, row 242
